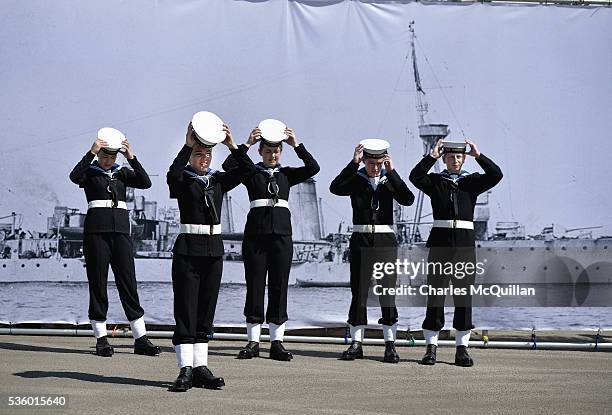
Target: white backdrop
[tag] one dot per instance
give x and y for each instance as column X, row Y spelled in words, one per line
column 532, row 85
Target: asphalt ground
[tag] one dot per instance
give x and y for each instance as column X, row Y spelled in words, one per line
column 316, row 381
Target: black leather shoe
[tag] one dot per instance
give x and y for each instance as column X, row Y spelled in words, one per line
column 184, row 380
column 430, row 355
column 203, row 378
column 278, row 351
column 462, row 358
column 143, row 345
column 249, row 351
column 391, row 355
column 103, row 348
column 353, row 352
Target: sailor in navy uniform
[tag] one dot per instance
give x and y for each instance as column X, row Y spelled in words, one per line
column 453, row 194
column 372, row 190
column 106, row 238
column 267, row 247
column 197, row 261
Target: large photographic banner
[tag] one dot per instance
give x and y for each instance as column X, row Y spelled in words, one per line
column 531, row 85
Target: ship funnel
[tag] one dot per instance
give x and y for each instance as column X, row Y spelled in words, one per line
column 431, row 133
column 227, row 216
column 305, row 212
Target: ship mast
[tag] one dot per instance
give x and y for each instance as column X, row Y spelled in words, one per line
column 429, row 134
column 421, row 106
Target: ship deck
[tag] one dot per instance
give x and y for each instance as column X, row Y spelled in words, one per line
column 502, row 381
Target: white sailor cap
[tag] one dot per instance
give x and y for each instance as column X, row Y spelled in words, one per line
column 208, row 128
column 374, row 148
column 113, row 137
column 272, row 132
column 453, row 147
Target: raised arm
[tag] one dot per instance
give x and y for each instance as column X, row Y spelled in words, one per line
column 136, row 178
column 175, row 172
column 79, row 172
column 480, row 183
column 240, row 159
column 174, row 177
column 342, row 185
column 297, row 175
column 396, row 185
column 229, row 180
column 231, row 162
column 419, row 177
column 232, row 177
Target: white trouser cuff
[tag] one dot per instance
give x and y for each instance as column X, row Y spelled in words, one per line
column 277, row 332
column 254, row 331
column 138, row 328
column 99, row 328
column 431, row 337
column 200, row 354
column 357, row 333
column 462, row 337
column 184, row 354
column 389, row 332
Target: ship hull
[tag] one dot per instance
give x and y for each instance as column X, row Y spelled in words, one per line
column 147, row 270
column 506, row 262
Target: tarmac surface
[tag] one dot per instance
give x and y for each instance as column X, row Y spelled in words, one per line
column 316, row 381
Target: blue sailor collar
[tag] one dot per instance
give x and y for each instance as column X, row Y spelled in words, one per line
column 204, row 179
column 454, row 177
column 383, row 177
column 268, row 170
column 95, row 166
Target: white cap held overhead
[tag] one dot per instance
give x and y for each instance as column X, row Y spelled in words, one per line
column 374, row 147
column 208, row 128
column 113, row 137
column 453, row 147
column 272, row 131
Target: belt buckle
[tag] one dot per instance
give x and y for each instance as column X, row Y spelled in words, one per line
column 211, row 229
column 454, row 223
